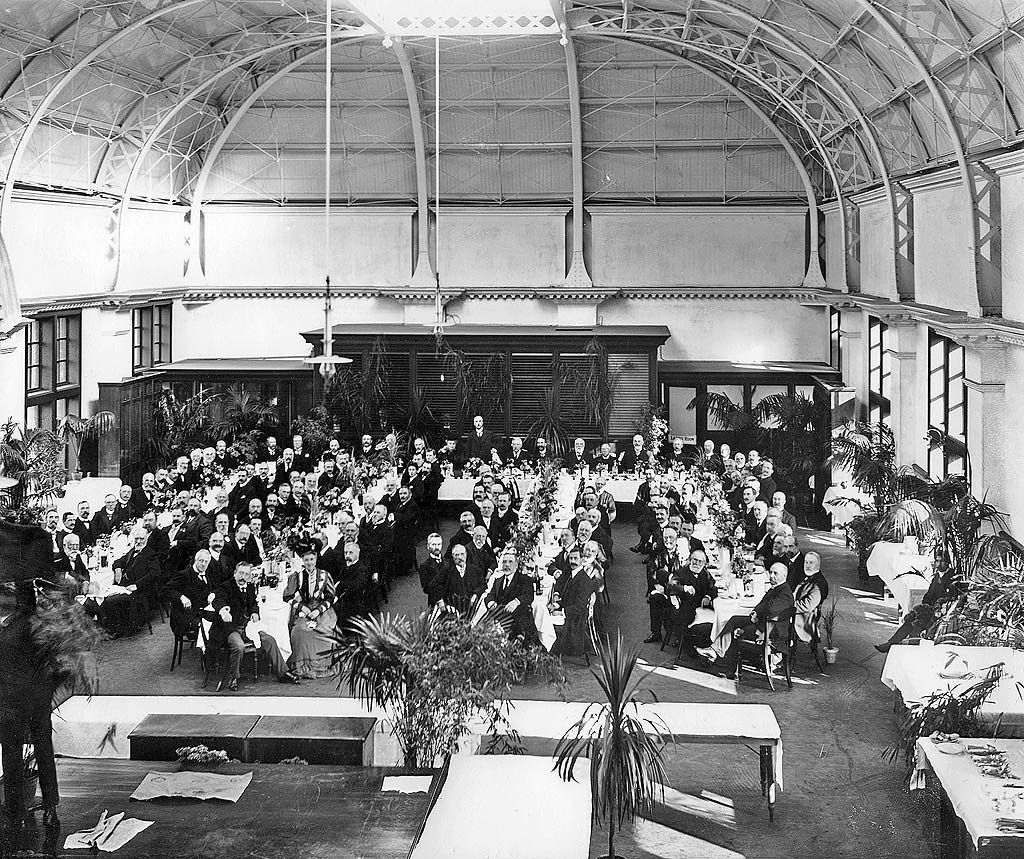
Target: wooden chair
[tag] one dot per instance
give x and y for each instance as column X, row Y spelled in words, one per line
column 191, row 637
column 761, row 651
column 815, row 642
column 221, row 656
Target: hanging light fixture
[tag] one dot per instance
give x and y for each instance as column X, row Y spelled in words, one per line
column 328, row 362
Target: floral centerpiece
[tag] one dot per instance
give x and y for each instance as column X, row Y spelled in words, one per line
column 200, row 758
column 472, row 467
column 653, row 426
column 535, row 511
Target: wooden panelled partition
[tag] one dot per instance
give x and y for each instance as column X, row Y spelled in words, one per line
column 537, row 360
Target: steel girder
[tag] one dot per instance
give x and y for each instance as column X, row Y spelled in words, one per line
column 123, row 208
column 194, row 271
column 577, row 276
column 762, row 81
column 814, row 276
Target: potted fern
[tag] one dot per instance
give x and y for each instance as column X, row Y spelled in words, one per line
column 625, row 749
column 829, row 619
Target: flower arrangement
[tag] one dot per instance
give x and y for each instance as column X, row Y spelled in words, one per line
column 334, row 500
column 472, row 467
column 653, row 426
column 201, row 757
column 536, row 509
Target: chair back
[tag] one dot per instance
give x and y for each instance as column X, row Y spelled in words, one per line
column 782, row 626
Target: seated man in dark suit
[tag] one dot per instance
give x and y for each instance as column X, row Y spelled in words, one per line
column 357, row 589
column 138, row 571
column 70, row 563
column 192, row 593
column 158, row 540
column 144, row 497
column 773, row 604
column 574, row 593
column 236, row 604
column 464, row 536
column 779, row 503
column 103, row 523
column 577, row 458
column 517, row 457
column 754, row 523
column 480, row 556
column 635, row 458
column 241, row 548
column 793, row 558
column 457, row 587
column 808, row 596
column 510, row 593
column 433, row 566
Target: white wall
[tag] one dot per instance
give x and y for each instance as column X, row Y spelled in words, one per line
column 266, row 327
column 835, row 261
column 877, row 251
column 153, row 248
column 729, row 329
column 58, row 248
column 943, row 264
column 285, row 247
column 1011, row 172
column 502, row 247
column 697, row 246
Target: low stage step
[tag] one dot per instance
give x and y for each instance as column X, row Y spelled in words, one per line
column 326, row 740
column 331, row 740
column 157, row 736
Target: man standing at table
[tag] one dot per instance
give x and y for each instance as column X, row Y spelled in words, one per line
column 481, row 443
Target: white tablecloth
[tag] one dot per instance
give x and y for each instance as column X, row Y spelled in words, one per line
column 906, row 576
column 844, row 513
column 914, row 671
column 971, row 794
column 507, row 807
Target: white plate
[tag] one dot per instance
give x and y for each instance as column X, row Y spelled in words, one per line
column 949, row 748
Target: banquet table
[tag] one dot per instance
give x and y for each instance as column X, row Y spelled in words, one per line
column 916, row 672
column 971, row 796
column 726, row 606
column 906, row 575
column 844, row 504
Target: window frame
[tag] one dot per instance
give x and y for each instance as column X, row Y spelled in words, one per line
column 879, row 372
column 152, row 330
column 947, row 402
column 53, row 341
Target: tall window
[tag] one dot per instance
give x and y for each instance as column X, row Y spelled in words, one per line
column 947, row 404
column 151, row 336
column 53, row 369
column 879, row 372
column 835, row 342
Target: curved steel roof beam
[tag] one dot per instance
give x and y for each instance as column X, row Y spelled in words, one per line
column 210, row 155
column 122, row 209
column 989, row 304
column 814, row 277
column 577, row 276
column 786, row 102
column 51, row 96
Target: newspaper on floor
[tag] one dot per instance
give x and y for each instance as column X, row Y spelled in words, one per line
column 193, row 785
column 407, row 783
column 110, row 834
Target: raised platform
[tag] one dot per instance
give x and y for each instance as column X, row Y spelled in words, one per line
column 287, row 811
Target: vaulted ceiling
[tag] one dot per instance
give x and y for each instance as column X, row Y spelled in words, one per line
column 223, row 100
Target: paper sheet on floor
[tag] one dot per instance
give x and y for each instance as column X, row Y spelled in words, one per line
column 407, row 783
column 110, row 834
column 193, row 785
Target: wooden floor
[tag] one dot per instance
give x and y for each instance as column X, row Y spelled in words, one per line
column 287, row 812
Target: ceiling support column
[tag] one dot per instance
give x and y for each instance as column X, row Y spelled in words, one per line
column 423, row 272
column 578, row 277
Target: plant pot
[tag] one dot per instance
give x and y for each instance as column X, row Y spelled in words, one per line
column 831, row 655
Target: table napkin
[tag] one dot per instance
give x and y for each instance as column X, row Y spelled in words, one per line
column 109, row 834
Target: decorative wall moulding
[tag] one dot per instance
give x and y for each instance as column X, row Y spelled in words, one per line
column 596, row 211
column 1006, row 164
column 948, row 177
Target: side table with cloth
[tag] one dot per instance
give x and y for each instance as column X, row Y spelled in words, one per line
column 916, row 672
column 844, row 504
column 970, row 796
column 907, row 576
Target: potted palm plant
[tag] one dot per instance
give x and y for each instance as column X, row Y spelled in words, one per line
column 625, row 749
column 73, row 430
column 829, row 619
